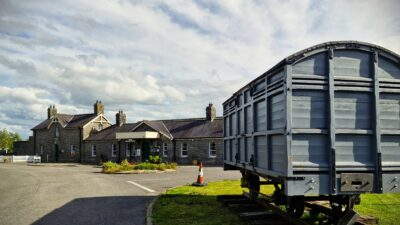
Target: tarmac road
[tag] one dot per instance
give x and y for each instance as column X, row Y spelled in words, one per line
column 79, row 194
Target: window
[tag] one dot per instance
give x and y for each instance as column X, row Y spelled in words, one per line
column 165, row 149
column 57, row 131
column 212, row 150
column 184, row 150
column 127, row 150
column 100, row 127
column 94, row 152
column 41, row 149
column 114, row 150
column 72, row 149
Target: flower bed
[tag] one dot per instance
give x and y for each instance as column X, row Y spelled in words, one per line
column 111, row 167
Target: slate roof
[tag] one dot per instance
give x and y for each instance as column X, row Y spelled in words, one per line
column 195, row 128
column 109, row 132
column 67, row 121
column 160, row 127
column 173, row 129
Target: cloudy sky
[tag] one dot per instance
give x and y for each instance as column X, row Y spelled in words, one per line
column 161, row 59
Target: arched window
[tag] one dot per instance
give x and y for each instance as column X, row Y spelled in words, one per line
column 57, row 131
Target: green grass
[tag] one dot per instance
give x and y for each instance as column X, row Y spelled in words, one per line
column 199, row 205
column 384, row 206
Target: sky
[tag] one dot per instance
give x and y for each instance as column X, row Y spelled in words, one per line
column 161, row 59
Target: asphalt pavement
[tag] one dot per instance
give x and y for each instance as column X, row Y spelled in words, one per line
column 80, row 194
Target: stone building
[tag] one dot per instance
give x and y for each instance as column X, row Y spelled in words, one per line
column 91, row 138
column 60, row 138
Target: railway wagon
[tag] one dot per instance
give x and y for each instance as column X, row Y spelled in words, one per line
column 322, row 124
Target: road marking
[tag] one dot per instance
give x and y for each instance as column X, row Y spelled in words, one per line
column 140, row 186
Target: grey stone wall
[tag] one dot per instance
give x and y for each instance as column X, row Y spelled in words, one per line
column 66, row 138
column 23, row 147
column 198, row 149
column 103, row 151
column 170, row 148
column 91, row 127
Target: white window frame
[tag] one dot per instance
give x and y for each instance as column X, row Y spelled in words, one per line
column 165, row 149
column 113, row 147
column 94, row 150
column 187, row 152
column 209, row 150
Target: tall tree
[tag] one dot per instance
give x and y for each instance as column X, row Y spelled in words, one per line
column 7, row 139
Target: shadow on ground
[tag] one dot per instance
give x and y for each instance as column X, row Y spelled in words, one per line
column 99, row 210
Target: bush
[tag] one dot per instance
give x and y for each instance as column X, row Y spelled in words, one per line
column 126, row 166
column 146, row 166
column 172, row 165
column 155, row 159
column 111, row 167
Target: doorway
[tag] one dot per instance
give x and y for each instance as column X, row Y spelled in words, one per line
column 56, row 151
column 145, row 151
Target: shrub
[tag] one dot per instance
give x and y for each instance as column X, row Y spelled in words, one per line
column 146, row 166
column 155, row 159
column 126, row 166
column 162, row 166
column 110, row 167
column 172, row 166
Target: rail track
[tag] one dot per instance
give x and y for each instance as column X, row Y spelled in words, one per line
column 262, row 211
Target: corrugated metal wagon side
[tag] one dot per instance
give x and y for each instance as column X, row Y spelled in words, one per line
column 322, row 122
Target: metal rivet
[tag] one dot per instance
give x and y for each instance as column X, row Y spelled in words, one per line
column 395, row 185
column 395, row 179
column 312, row 180
column 312, row 187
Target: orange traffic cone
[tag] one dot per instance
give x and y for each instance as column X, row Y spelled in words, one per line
column 200, row 177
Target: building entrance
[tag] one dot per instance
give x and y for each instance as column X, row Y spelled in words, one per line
column 145, row 151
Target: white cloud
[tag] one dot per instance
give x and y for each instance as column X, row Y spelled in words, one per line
column 159, row 60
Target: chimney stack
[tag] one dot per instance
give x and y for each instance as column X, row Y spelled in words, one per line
column 211, row 112
column 120, row 118
column 98, row 108
column 51, row 111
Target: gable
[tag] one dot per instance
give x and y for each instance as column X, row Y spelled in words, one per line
column 143, row 127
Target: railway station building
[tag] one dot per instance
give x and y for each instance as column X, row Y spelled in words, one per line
column 92, row 138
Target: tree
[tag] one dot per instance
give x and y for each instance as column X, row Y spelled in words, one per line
column 7, row 139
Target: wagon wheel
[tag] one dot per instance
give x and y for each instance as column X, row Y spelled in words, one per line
column 295, row 206
column 341, row 205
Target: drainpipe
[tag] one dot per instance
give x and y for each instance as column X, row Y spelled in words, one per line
column 174, row 146
column 119, row 152
column 80, row 144
column 34, row 142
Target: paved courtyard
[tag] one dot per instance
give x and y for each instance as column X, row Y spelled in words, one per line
column 80, row 194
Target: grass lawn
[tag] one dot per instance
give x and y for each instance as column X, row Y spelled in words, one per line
column 199, row 205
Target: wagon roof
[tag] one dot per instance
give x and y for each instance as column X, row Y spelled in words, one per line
column 299, row 55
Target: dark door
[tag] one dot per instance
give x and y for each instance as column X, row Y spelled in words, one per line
column 56, row 151
column 145, row 151
column 130, row 151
